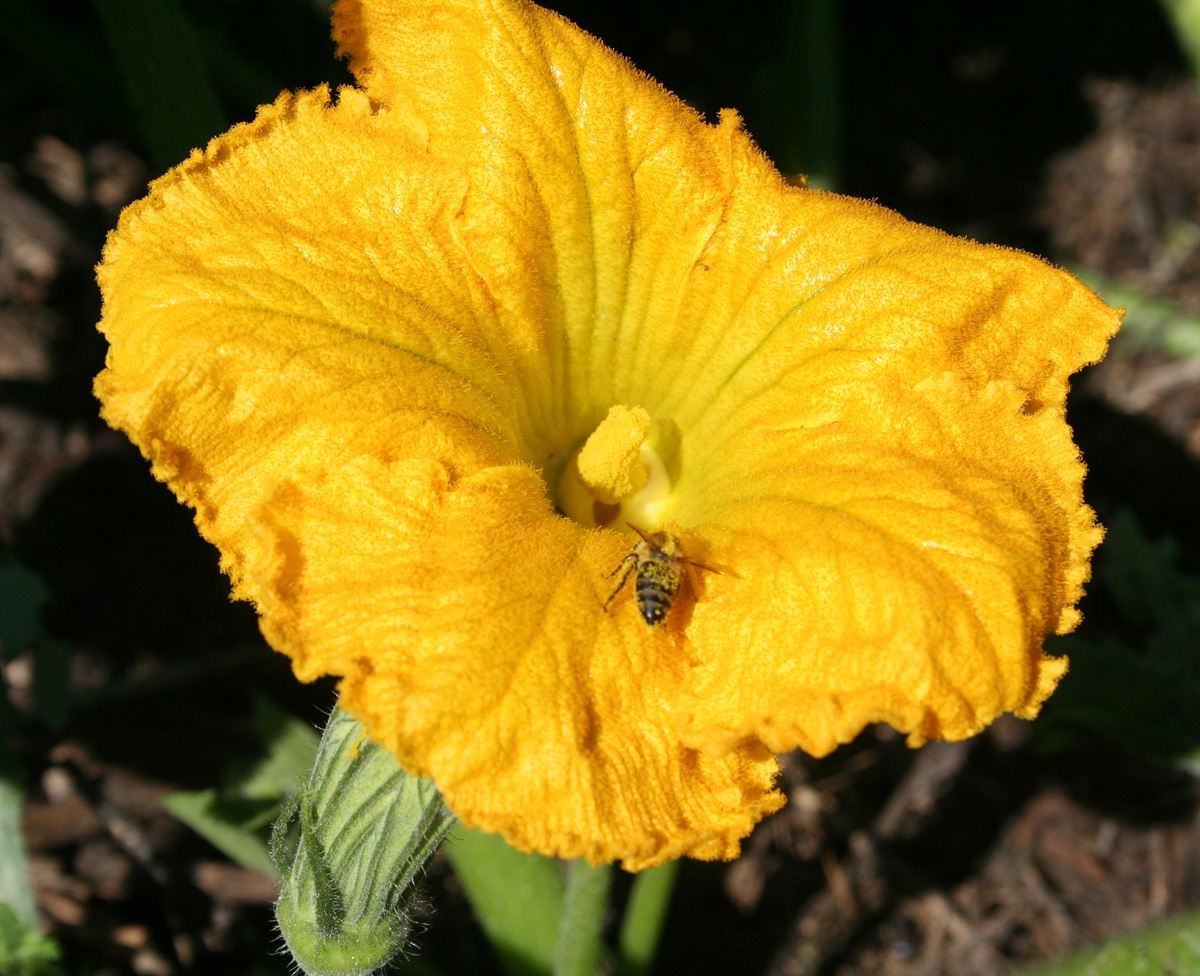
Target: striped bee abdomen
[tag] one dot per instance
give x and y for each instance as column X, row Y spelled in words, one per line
column 656, row 564
column 656, row 585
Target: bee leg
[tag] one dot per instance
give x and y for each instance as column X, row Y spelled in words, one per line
column 627, row 563
column 632, row 556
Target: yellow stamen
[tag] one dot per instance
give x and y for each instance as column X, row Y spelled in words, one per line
column 620, row 473
column 647, row 508
column 610, row 463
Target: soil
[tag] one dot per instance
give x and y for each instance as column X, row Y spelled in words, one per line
column 1074, row 133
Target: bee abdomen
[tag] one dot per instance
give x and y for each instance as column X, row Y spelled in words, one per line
column 656, row 587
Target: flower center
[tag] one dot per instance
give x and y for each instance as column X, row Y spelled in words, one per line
column 618, row 475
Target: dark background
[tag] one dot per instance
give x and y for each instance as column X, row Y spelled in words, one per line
column 954, row 114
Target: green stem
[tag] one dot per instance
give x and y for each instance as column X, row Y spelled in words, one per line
column 579, row 947
column 644, row 918
column 810, row 94
column 518, row 899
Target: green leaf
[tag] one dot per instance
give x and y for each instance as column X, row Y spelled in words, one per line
column 1138, row 682
column 1184, row 16
column 22, row 594
column 159, row 60
column 16, row 891
column 67, row 58
column 244, row 78
column 52, row 683
column 236, row 833
column 24, row 951
column 1171, row 948
column 1148, row 588
column 807, row 92
column 1145, row 704
column 517, row 897
column 1149, row 321
column 21, row 597
column 291, row 745
column 236, row 819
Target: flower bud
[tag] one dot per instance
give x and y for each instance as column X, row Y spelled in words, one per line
column 349, row 848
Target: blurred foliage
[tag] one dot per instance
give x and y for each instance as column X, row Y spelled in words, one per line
column 23, row 950
column 1184, row 16
column 166, row 79
column 1135, row 675
column 16, row 889
column 21, row 597
column 1150, row 322
column 169, row 74
column 236, row 817
column 1171, row 948
column 801, row 88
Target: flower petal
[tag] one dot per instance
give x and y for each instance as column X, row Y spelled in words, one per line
column 308, row 357
column 361, row 338
column 464, row 617
column 613, row 187
column 899, row 559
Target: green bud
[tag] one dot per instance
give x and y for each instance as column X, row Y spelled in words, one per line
column 349, row 848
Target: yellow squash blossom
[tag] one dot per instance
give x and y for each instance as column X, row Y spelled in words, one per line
column 419, row 353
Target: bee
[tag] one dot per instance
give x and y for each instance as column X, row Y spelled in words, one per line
column 658, row 561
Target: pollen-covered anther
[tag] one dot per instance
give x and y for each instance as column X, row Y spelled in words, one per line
column 609, row 463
